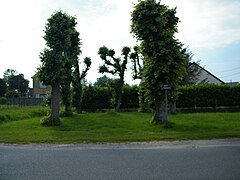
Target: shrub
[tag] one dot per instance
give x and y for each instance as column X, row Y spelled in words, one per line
column 48, row 121
column 95, row 97
column 3, row 100
column 12, row 93
column 208, row 96
column 130, row 97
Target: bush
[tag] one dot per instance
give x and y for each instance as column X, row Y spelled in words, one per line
column 5, row 117
column 95, row 97
column 208, row 96
column 130, row 97
column 11, row 94
column 48, row 121
column 3, row 100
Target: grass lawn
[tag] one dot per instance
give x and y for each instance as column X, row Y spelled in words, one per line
column 23, row 127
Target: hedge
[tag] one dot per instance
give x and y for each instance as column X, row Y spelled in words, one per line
column 130, row 97
column 96, row 97
column 208, row 96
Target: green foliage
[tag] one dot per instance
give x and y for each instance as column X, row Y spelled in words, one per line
column 58, row 58
column 5, row 117
column 102, row 81
column 15, row 81
column 51, row 70
column 77, row 82
column 208, row 96
column 48, row 121
column 114, row 66
column 12, row 94
column 137, row 62
column 95, row 97
column 3, row 100
column 15, row 113
column 3, row 87
column 130, row 97
column 164, row 61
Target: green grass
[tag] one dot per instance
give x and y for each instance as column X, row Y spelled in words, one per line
column 117, row 127
column 15, row 113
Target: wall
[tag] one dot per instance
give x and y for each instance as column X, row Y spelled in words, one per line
column 40, row 91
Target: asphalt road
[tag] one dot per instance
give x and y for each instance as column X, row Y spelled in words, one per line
column 219, row 159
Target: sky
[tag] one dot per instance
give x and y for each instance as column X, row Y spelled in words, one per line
column 209, row 28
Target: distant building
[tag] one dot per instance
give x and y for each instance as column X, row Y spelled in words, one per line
column 204, row 76
column 232, row 83
column 40, row 90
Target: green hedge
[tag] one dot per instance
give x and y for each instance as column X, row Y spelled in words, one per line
column 208, row 96
column 96, row 97
column 130, row 97
column 3, row 100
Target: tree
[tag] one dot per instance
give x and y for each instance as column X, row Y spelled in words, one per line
column 16, row 81
column 8, row 73
column 114, row 66
column 12, row 94
column 3, row 87
column 137, row 62
column 138, row 65
column 192, row 73
column 102, row 81
column 77, row 82
column 58, row 41
column 71, row 55
column 154, row 25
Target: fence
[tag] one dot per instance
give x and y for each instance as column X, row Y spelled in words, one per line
column 22, row 101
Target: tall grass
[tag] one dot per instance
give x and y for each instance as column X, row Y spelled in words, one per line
column 15, row 113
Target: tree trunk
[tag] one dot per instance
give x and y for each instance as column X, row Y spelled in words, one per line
column 172, row 107
column 158, row 116
column 78, row 99
column 77, row 88
column 143, row 103
column 119, row 102
column 55, row 105
column 67, row 90
column 68, row 106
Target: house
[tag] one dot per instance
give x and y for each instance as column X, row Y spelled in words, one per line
column 39, row 89
column 202, row 76
column 232, row 83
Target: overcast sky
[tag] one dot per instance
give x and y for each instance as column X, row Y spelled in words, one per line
column 210, row 28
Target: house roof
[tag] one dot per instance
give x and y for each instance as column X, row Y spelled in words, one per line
column 193, row 63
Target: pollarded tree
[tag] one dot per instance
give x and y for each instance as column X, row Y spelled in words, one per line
column 115, row 66
column 58, row 40
column 77, row 82
column 138, row 65
column 154, row 25
column 71, row 58
column 137, row 62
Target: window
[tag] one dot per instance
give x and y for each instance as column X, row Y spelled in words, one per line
column 42, row 85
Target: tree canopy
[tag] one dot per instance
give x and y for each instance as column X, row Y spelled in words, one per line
column 54, row 58
column 3, row 87
column 154, row 25
column 16, row 82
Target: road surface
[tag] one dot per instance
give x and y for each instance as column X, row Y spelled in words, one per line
column 216, row 159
